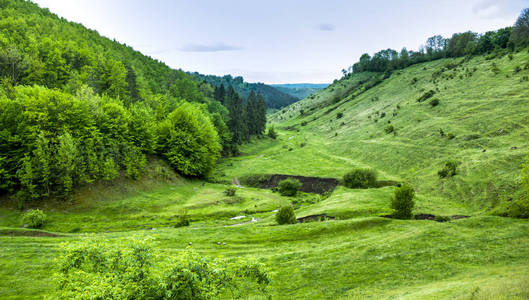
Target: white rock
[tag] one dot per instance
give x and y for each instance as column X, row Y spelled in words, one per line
column 238, row 218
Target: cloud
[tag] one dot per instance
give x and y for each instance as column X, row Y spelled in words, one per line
column 325, row 27
column 491, row 9
column 216, row 47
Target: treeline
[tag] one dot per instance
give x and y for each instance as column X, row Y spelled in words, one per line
column 273, row 97
column 460, row 44
column 76, row 108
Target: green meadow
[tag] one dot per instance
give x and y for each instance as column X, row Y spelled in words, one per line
column 484, row 117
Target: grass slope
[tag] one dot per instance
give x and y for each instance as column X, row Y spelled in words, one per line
column 359, row 255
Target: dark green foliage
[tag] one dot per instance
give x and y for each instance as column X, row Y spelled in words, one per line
column 238, row 121
column 230, row 191
column 135, row 271
column 434, row 102
column 183, row 220
column 520, row 31
column 426, row 96
column 403, row 202
column 339, row 115
column 360, row 178
column 272, row 97
column 286, row 215
column 450, row 136
column 289, row 186
column 34, row 218
column 441, row 132
column 449, row 169
column 389, row 129
column 272, row 133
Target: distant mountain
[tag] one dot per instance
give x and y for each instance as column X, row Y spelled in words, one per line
column 300, row 90
column 274, row 98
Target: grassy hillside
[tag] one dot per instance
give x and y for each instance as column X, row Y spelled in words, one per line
column 359, row 254
column 300, row 90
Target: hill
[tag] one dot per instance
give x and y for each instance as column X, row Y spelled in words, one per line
column 273, row 97
column 404, row 119
column 300, row 90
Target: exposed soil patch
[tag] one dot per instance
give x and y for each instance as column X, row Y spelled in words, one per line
column 316, row 185
column 432, row 217
column 315, row 218
column 33, row 233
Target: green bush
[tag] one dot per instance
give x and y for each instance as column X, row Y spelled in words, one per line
column 272, row 133
column 134, row 270
column 339, row 115
column 449, row 170
column 286, row 215
column 389, row 129
column 230, row 191
column 426, row 96
column 403, row 202
column 434, row 102
column 183, row 220
column 289, row 186
column 34, row 218
column 360, row 178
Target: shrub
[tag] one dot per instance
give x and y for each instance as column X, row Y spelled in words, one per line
column 286, row 215
column 183, row 220
column 272, row 133
column 34, row 218
column 402, row 202
column 442, row 219
column 230, row 191
column 426, row 96
column 434, row 102
column 339, row 115
column 134, row 270
column 451, row 136
column 449, row 170
column 382, row 115
column 360, row 178
column 389, row 129
column 304, row 123
column 289, row 186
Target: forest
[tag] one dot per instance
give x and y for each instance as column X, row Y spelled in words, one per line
column 79, row 108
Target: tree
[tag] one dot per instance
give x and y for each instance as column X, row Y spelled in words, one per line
column 237, row 114
column 403, row 202
column 520, row 31
column 189, row 141
column 219, row 93
column 13, row 64
column 360, row 178
column 67, row 156
column 289, row 186
column 286, row 215
column 252, row 117
column 261, row 115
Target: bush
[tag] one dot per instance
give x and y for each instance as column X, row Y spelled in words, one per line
column 360, row 178
column 286, row 215
column 134, row 270
column 389, row 129
column 426, row 96
column 272, row 133
column 289, row 186
column 403, row 202
column 34, row 218
column 339, row 115
column 434, row 102
column 230, row 191
column 449, row 170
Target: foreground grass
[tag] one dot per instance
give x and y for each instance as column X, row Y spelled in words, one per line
column 359, row 258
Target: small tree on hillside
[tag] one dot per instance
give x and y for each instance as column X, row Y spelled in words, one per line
column 272, row 133
column 360, row 178
column 289, row 186
column 286, row 215
column 403, row 202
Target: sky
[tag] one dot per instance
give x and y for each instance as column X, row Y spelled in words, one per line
column 286, row 41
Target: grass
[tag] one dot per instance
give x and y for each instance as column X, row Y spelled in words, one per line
column 359, row 254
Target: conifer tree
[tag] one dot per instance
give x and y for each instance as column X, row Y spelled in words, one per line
column 252, row 114
column 237, row 122
column 261, row 115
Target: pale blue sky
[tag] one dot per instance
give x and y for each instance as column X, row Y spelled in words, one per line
column 285, row 41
